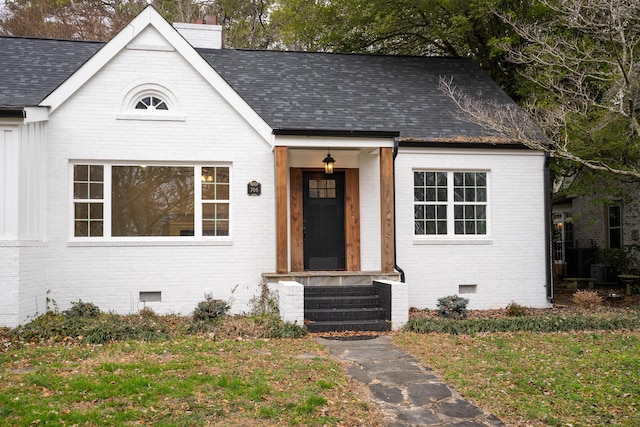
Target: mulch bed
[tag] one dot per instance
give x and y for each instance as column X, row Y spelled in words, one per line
column 563, row 303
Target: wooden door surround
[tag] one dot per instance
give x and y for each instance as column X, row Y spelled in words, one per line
column 289, row 194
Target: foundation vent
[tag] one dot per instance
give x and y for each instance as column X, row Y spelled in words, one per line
column 151, row 296
column 467, row 289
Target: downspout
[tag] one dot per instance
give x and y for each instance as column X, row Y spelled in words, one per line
column 395, row 243
column 547, row 227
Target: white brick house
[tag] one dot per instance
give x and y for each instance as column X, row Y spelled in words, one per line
column 149, row 171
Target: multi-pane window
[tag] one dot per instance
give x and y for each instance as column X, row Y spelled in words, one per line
column 151, row 201
column 430, row 209
column 88, row 200
column 322, row 188
column 470, row 202
column 215, row 201
column 450, row 203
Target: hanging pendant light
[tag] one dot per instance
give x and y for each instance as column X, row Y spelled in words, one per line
column 328, row 163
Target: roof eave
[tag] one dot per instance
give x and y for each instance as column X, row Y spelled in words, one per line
column 12, row 113
column 463, row 142
column 336, row 133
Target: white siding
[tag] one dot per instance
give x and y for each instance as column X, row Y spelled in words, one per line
column 9, row 170
column 87, row 127
column 33, row 173
column 22, row 220
column 511, row 265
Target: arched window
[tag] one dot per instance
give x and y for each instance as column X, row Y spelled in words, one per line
column 145, row 100
column 151, row 103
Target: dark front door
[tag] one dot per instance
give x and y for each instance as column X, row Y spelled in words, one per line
column 323, row 213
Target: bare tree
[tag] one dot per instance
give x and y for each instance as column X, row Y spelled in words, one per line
column 583, row 62
column 70, row 19
column 514, row 124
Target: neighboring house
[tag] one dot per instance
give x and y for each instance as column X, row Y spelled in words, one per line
column 587, row 226
column 158, row 168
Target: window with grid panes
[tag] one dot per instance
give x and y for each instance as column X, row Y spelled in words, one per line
column 450, row 203
column 151, row 201
column 88, row 200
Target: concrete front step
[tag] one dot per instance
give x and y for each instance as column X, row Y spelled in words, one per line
column 325, row 278
column 344, row 301
column 340, row 290
column 332, row 314
column 350, row 325
column 344, row 308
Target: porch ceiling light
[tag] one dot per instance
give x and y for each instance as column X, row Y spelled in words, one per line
column 328, row 163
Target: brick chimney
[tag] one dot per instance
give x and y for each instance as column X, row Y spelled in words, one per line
column 206, row 34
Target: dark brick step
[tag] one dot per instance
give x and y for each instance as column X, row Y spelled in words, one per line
column 344, row 301
column 319, row 291
column 352, row 325
column 329, row 314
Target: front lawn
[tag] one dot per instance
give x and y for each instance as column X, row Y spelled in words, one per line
column 184, row 381
column 83, row 367
column 540, row 379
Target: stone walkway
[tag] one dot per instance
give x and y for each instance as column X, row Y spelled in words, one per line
column 409, row 393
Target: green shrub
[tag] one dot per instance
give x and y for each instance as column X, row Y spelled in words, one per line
column 210, row 309
column 99, row 329
column 113, row 327
column 452, row 307
column 250, row 327
column 515, row 310
column 82, row 309
column 279, row 329
column 550, row 323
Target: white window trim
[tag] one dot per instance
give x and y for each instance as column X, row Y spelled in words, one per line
column 108, row 240
column 137, row 92
column 451, row 238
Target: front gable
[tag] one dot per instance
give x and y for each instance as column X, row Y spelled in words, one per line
column 139, row 35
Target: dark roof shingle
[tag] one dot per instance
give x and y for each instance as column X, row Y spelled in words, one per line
column 32, row 68
column 290, row 90
column 324, row 91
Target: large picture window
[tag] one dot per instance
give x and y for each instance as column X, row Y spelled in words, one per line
column 115, row 200
column 450, row 203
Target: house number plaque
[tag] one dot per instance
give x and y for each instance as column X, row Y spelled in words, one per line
column 254, row 188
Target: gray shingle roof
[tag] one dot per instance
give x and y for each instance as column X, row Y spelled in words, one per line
column 30, row 68
column 289, row 90
column 323, row 91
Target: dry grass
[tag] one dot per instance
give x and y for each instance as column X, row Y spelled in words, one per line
column 587, row 299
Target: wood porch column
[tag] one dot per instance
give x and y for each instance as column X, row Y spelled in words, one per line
column 282, row 265
column 387, row 210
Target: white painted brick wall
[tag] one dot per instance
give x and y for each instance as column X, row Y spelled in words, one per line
column 10, row 279
column 86, row 128
column 399, row 303
column 291, row 302
column 32, row 300
column 22, row 281
column 201, row 35
column 512, row 266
